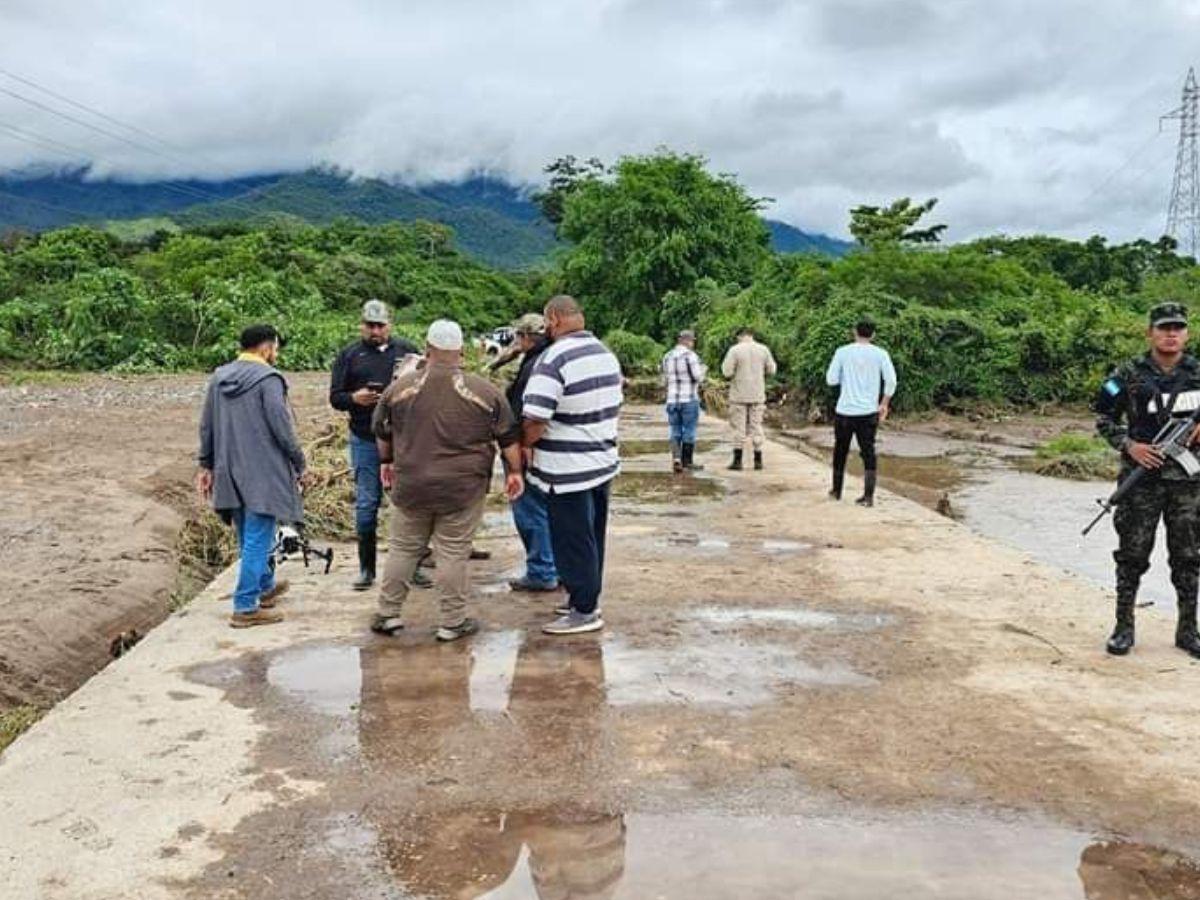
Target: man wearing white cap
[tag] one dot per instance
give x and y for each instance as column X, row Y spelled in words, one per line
column 437, row 430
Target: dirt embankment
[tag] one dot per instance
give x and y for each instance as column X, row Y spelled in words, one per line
column 95, row 483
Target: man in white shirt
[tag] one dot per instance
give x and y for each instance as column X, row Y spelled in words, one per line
column 868, row 381
column 683, row 373
column 747, row 365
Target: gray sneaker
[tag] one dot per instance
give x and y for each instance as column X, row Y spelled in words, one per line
column 463, row 629
column 564, row 609
column 575, row 623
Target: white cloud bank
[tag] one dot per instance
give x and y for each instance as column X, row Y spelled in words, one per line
column 1013, row 112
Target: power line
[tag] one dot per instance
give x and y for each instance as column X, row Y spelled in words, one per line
column 138, row 145
column 85, row 108
column 186, row 190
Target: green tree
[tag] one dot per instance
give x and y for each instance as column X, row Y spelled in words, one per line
column 875, row 227
column 657, row 224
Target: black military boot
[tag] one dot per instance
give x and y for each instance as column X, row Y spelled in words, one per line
column 689, row 458
column 736, row 465
column 868, row 497
column 1186, row 638
column 677, row 463
column 366, row 562
column 758, row 460
column 1121, row 641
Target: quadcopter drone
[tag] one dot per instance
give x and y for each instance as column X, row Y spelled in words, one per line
column 290, row 541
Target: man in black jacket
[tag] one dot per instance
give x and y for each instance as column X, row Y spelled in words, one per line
column 530, row 513
column 360, row 373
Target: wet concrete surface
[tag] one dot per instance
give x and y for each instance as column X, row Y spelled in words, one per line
column 420, row 709
column 792, row 698
column 982, row 486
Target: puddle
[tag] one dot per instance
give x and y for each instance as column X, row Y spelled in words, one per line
column 638, row 447
column 562, row 853
column 324, row 678
column 713, row 670
column 665, row 487
column 794, row 617
column 494, row 660
column 778, row 547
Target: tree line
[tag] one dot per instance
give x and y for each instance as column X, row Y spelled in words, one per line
column 651, row 244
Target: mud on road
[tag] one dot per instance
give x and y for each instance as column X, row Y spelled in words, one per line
column 95, row 482
column 793, row 698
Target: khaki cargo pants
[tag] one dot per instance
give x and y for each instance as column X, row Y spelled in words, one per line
column 746, row 421
column 449, row 535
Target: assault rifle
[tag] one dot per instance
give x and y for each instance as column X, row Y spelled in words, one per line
column 290, row 540
column 1172, row 441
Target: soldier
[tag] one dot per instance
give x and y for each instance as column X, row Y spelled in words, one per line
column 1146, row 392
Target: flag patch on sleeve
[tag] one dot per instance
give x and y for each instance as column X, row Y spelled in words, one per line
column 1112, row 387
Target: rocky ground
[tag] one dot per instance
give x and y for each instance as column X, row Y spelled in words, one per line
column 793, row 697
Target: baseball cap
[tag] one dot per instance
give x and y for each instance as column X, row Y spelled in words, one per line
column 686, row 335
column 1168, row 314
column 444, row 335
column 375, row 311
column 530, row 323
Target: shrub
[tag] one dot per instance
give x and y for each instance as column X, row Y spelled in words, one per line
column 638, row 354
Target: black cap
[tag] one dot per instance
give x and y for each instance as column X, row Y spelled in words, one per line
column 259, row 334
column 1168, row 314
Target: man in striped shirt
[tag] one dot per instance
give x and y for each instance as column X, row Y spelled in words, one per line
column 571, row 406
column 683, row 373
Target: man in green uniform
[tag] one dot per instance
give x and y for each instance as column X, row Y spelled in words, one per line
column 1146, row 392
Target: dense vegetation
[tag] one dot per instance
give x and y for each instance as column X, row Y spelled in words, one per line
column 82, row 299
column 651, row 244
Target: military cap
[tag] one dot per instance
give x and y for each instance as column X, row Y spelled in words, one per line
column 530, row 323
column 1168, row 314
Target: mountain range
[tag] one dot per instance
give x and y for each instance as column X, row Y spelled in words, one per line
column 494, row 221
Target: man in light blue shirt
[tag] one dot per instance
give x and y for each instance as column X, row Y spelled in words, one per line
column 867, row 380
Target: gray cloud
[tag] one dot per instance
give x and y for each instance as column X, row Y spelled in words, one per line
column 1018, row 116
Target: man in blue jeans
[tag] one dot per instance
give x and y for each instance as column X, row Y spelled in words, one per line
column 251, row 467
column 530, row 512
column 683, row 374
column 360, row 373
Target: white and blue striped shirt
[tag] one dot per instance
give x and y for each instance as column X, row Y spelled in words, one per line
column 576, row 390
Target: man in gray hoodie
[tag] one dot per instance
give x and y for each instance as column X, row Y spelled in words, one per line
column 251, row 467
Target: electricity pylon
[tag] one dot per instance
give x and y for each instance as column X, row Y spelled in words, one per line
column 1183, row 214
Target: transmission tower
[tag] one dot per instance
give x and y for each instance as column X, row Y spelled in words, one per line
column 1183, row 214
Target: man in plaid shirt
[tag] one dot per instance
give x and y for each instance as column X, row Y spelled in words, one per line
column 683, row 374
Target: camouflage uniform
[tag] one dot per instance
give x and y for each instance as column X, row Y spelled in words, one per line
column 1145, row 397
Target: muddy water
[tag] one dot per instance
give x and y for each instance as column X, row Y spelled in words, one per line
column 985, row 489
column 556, row 823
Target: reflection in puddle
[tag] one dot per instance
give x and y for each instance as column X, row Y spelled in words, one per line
column 494, row 659
column 325, row 677
column 663, row 487
column 644, row 447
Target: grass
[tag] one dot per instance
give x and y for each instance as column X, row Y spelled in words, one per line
column 1076, row 456
column 16, row 721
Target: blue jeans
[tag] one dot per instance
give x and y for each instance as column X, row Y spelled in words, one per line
column 682, row 419
column 532, row 519
column 368, row 489
column 256, row 537
column 578, row 525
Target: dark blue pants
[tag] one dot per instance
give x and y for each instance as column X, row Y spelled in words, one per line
column 368, row 489
column 681, row 421
column 578, row 523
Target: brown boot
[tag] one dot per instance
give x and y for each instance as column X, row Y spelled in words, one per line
column 258, row 617
column 269, row 599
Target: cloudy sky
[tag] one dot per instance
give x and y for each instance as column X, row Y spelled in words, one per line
column 1020, row 116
